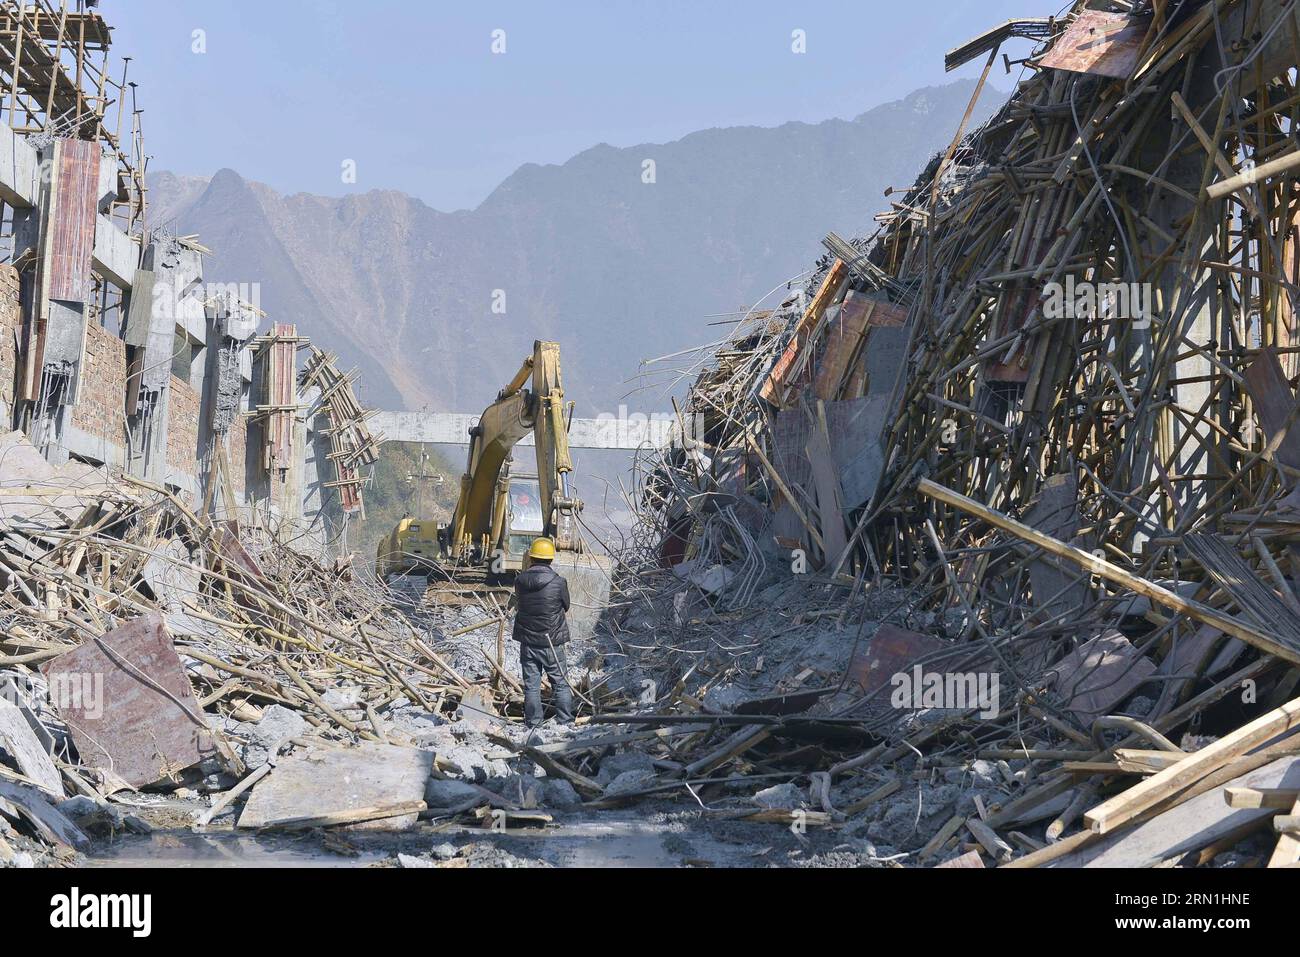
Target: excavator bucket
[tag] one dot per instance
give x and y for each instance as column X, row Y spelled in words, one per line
column 588, row 577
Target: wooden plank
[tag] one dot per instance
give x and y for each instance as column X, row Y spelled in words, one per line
column 997, row 848
column 936, row 843
column 775, row 386
column 1184, row 828
column 891, row 786
column 841, row 342
column 1160, row 595
column 1275, row 167
column 1287, row 852
column 1127, row 805
column 27, row 802
column 361, row 815
column 1261, row 797
column 830, row 506
column 1146, row 762
column 971, row 859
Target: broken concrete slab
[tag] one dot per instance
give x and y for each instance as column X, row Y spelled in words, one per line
column 172, row 580
column 35, row 493
column 325, row 782
column 1058, row 588
column 707, row 578
column 622, row 762
column 23, row 802
column 445, row 793
column 128, row 704
column 557, row 792
column 629, row 782
column 787, row 796
column 278, row 725
column 477, row 709
column 30, row 757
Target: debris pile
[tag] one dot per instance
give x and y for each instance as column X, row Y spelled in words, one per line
column 146, row 650
column 1038, row 431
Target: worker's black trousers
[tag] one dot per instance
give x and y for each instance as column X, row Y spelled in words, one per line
column 535, row 660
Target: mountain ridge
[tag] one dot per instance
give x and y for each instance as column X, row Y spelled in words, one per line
column 584, row 252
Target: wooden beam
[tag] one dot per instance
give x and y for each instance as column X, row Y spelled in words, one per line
column 1127, row 805
column 1113, row 573
column 1287, row 852
column 1261, row 797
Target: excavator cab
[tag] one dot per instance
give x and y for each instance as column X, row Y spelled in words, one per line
column 525, row 518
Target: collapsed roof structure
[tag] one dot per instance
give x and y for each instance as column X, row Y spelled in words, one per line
column 1053, row 395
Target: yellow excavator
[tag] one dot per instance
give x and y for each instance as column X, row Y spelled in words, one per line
column 501, row 510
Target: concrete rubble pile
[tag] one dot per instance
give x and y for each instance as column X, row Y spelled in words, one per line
column 983, row 542
column 154, row 659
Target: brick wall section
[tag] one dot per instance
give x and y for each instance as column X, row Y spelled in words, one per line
column 237, row 452
column 11, row 323
column 101, row 400
column 182, row 428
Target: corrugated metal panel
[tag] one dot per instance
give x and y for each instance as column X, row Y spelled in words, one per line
column 72, row 229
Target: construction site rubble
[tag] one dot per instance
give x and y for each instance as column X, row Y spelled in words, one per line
column 146, row 649
column 984, row 537
column 979, row 549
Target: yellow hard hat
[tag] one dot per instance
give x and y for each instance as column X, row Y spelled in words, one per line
column 542, row 548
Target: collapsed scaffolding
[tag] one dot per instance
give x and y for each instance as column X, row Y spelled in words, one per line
column 1050, row 402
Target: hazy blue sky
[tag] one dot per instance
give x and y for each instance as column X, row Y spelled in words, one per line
column 412, row 92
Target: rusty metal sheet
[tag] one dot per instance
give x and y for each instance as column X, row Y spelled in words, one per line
column 840, row 344
column 233, row 551
column 72, row 225
column 783, row 377
column 1103, row 44
column 129, row 705
column 890, row 651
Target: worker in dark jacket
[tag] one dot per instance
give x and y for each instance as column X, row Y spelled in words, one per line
column 541, row 601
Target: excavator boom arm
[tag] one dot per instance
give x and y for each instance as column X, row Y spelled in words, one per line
column 479, row 515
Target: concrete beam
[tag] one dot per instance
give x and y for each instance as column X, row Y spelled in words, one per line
column 631, row 431
column 20, row 170
column 116, row 257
